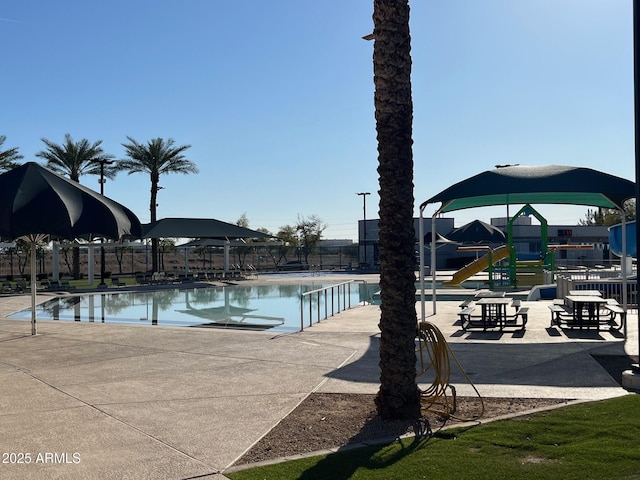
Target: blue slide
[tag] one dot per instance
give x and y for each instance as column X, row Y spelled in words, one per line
column 615, row 239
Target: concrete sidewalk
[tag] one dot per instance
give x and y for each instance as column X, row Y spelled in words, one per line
column 95, row 401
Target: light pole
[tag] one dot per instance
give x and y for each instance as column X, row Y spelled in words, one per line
column 364, row 223
column 102, row 162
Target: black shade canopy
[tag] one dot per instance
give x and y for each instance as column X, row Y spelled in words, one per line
column 440, row 239
column 36, row 201
column 198, row 228
column 477, row 232
column 547, row 184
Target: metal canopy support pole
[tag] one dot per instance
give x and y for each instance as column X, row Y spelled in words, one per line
column 630, row 379
column 636, row 88
column 90, row 271
column 421, row 266
column 33, row 286
column 623, row 266
column 55, row 261
column 227, row 247
column 433, row 261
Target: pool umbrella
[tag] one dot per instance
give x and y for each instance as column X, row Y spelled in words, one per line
column 36, row 203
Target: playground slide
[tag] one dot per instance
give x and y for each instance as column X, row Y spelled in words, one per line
column 615, row 239
column 478, row 265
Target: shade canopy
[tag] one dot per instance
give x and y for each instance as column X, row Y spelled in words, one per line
column 440, row 240
column 37, row 201
column 477, row 232
column 198, row 228
column 547, row 184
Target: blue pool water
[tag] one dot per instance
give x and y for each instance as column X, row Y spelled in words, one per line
column 257, row 307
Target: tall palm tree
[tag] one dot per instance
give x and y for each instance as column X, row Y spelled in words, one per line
column 8, row 158
column 157, row 157
column 74, row 159
column 399, row 396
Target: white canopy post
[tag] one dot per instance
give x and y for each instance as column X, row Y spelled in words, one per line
column 55, row 261
column 90, row 267
column 33, row 285
column 623, row 265
column 433, row 262
column 421, row 266
column 227, row 247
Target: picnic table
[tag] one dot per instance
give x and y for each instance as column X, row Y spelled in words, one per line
column 489, row 294
column 586, row 310
column 590, row 293
column 493, row 314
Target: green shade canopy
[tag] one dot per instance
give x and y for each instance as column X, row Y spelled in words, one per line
column 545, row 184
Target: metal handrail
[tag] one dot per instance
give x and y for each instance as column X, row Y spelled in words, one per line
column 332, row 291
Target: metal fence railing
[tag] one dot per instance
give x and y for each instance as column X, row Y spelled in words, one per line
column 325, row 302
column 609, row 284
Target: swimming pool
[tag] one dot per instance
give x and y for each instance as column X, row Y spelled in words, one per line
column 256, row 307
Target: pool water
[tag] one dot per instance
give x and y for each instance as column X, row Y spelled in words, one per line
column 256, row 307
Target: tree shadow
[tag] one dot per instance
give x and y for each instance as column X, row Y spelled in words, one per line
column 372, row 454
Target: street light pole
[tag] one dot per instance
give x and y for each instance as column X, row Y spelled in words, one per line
column 364, row 223
column 102, row 162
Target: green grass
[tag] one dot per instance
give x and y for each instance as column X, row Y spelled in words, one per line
column 594, row 440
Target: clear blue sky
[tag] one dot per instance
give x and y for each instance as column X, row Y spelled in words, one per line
column 276, row 97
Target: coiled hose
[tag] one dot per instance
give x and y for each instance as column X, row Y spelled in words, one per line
column 436, row 398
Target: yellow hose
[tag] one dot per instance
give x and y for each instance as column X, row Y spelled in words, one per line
column 436, row 398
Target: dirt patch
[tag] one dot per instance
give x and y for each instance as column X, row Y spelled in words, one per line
column 330, row 420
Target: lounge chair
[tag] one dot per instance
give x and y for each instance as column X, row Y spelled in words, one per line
column 142, row 279
column 65, row 285
column 116, row 282
column 21, row 285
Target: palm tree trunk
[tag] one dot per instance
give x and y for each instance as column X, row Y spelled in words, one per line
column 398, row 396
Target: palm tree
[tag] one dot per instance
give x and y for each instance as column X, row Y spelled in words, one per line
column 399, row 396
column 8, row 158
column 156, row 158
column 74, row 159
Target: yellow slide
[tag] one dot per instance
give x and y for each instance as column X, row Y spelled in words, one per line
column 478, row 265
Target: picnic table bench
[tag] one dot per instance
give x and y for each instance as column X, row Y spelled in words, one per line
column 493, row 316
column 562, row 314
column 615, row 310
column 466, row 303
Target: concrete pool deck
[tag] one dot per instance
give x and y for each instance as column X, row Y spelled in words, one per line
column 93, row 401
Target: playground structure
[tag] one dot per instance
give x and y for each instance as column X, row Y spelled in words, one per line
column 516, row 272
column 615, row 239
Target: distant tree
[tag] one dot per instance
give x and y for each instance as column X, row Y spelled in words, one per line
column 242, row 252
column 289, row 238
column 8, row 158
column 399, row 396
column 157, row 157
column 74, row 159
column 609, row 216
column 23, row 252
column 120, row 251
column 309, row 234
column 165, row 245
